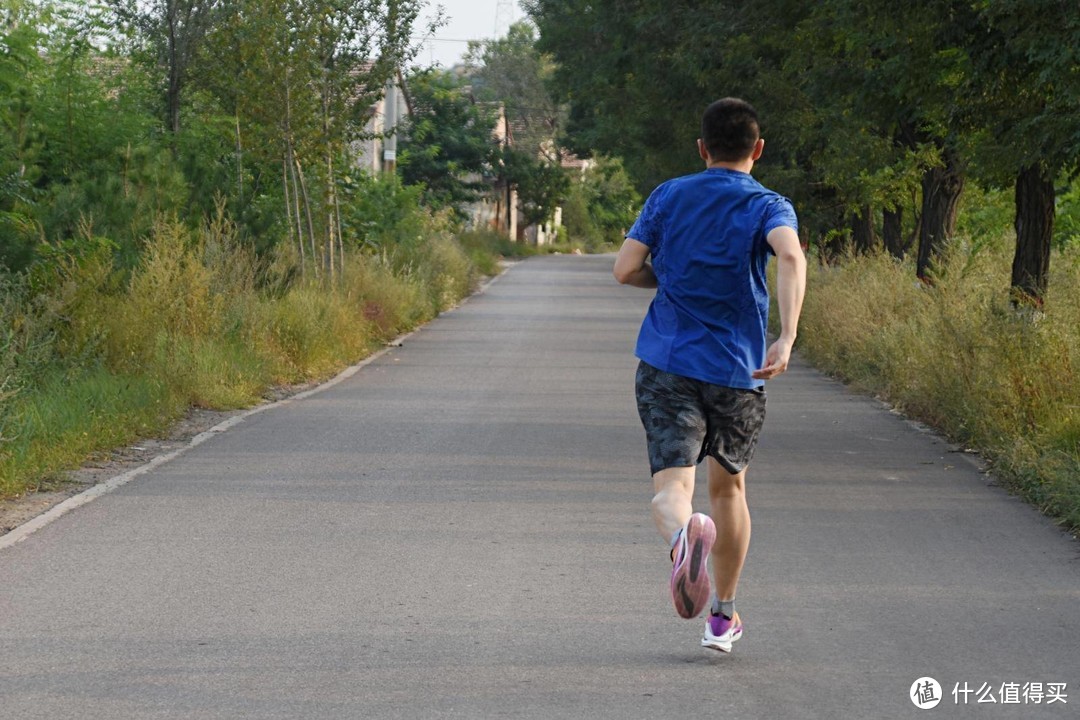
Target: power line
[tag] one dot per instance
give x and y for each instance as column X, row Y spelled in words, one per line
column 429, row 38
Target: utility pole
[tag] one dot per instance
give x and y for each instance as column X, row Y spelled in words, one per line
column 390, row 121
column 390, row 101
column 505, row 15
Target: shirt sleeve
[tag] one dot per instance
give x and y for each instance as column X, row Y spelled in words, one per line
column 648, row 228
column 779, row 213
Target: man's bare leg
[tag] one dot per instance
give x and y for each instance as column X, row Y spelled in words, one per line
column 672, row 503
column 672, row 509
column 727, row 499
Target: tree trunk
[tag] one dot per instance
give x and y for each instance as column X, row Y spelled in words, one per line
column 172, row 93
column 862, row 230
column 296, row 204
column 1034, row 232
column 331, row 185
column 941, row 187
column 288, row 201
column 892, row 230
column 239, row 164
column 307, row 214
column 290, row 170
column 340, row 239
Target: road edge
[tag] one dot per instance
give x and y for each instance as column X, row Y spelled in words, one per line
column 21, row 532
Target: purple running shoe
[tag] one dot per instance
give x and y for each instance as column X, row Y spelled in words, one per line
column 689, row 577
column 720, row 632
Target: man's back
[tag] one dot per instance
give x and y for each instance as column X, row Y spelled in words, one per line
column 707, row 236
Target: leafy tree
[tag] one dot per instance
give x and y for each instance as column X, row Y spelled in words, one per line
column 881, row 80
column 448, row 144
column 172, row 31
column 1025, row 87
column 298, row 80
column 629, row 91
column 601, row 203
column 512, row 71
column 19, row 62
column 541, row 184
column 857, row 98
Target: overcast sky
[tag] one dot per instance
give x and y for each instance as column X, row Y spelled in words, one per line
column 466, row 20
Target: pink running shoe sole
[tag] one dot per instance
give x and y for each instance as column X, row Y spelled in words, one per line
column 689, row 577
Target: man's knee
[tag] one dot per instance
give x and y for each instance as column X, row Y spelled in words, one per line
column 723, row 484
column 674, row 480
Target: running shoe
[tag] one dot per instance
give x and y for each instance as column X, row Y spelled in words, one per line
column 689, row 577
column 720, row 632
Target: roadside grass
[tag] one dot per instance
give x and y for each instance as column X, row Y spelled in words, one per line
column 95, row 357
column 957, row 356
column 69, row 417
column 485, row 248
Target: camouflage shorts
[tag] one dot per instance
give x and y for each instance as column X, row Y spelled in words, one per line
column 687, row 420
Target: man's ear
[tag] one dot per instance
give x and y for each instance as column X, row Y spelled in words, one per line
column 759, row 146
column 702, row 151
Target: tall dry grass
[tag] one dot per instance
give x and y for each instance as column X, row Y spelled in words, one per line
column 95, row 357
column 959, row 357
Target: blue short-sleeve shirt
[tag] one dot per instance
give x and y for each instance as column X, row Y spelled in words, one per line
column 706, row 234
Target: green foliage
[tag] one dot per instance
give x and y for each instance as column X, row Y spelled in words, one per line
column 577, row 219
column 541, row 184
column 155, row 198
column 601, row 205
column 485, row 248
column 1023, row 87
column 380, row 213
column 958, row 356
column 986, row 215
column 19, row 144
column 861, row 101
column 634, row 90
column 69, row 417
column 1067, row 227
column 448, row 145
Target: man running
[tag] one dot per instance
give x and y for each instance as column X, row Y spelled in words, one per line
column 700, row 383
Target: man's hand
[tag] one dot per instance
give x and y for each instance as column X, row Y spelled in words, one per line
column 776, row 360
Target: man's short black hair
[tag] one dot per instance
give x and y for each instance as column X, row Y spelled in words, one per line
column 730, row 129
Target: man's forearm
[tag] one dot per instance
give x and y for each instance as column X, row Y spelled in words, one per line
column 790, row 290
column 643, row 277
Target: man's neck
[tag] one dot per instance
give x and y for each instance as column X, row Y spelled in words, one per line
column 744, row 166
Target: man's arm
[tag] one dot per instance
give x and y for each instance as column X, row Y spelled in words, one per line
column 631, row 267
column 790, row 289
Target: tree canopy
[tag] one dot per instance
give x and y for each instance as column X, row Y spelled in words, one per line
column 865, row 105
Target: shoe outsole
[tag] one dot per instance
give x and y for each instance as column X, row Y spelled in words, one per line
column 690, row 578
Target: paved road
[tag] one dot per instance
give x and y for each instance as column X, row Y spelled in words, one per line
column 461, row 530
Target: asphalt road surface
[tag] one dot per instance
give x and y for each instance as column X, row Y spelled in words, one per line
column 461, row 530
